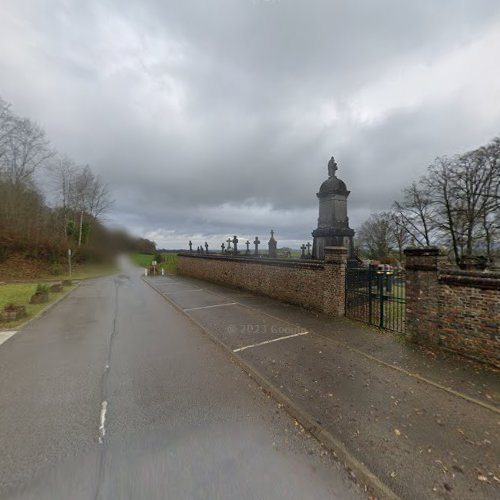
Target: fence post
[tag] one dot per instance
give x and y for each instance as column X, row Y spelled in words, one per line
column 334, row 286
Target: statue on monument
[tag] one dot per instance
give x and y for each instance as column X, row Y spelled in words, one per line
column 332, row 167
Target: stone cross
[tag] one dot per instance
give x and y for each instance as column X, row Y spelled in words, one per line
column 206, row 247
column 223, row 247
column 303, row 248
column 308, row 249
column 190, row 246
column 235, row 244
column 256, row 243
column 248, row 247
column 228, row 241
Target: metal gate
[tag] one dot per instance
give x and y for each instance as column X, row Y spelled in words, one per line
column 376, row 297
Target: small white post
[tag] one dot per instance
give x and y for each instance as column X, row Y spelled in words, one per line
column 145, row 271
column 69, row 262
column 162, row 271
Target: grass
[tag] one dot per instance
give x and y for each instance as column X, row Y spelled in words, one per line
column 20, row 294
column 144, row 260
column 86, row 271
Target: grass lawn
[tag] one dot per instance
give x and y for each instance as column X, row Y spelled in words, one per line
column 20, row 294
column 144, row 260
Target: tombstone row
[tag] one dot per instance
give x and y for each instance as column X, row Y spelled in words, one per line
column 233, row 250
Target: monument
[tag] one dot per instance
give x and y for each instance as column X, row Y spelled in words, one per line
column 333, row 224
column 273, row 252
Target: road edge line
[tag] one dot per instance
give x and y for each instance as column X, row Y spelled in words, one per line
column 361, row 472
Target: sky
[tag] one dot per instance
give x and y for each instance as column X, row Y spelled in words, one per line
column 213, row 118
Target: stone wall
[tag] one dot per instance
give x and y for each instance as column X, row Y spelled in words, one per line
column 457, row 310
column 314, row 285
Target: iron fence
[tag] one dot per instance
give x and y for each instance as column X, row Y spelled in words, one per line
column 376, row 297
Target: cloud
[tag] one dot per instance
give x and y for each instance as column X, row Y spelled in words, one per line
column 218, row 117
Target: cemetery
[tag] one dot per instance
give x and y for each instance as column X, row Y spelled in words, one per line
column 428, row 301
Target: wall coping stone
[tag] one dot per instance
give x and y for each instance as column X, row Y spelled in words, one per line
column 292, row 263
column 422, row 251
column 486, row 280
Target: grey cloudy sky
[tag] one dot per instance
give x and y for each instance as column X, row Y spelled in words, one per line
column 217, row 117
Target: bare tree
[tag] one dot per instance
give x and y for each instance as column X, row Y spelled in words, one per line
column 25, row 149
column 415, row 214
column 376, row 235
column 92, row 198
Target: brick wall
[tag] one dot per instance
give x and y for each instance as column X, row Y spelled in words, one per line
column 458, row 310
column 314, row 285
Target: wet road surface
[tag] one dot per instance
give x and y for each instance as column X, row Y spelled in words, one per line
column 116, row 394
column 424, row 423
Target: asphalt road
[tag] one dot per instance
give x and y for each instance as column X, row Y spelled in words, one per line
column 115, row 394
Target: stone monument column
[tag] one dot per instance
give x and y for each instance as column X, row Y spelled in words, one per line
column 333, row 224
column 273, row 246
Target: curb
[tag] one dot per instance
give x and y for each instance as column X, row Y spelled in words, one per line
column 360, row 471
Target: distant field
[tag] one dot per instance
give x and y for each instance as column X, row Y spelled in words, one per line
column 20, row 294
column 144, row 260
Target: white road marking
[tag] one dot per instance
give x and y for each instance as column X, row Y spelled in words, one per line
column 6, row 336
column 269, row 341
column 209, row 307
column 183, row 291
column 102, row 426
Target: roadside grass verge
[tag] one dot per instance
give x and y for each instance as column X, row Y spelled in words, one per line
column 20, row 294
column 85, row 271
column 143, row 260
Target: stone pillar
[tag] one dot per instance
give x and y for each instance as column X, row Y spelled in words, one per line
column 422, row 294
column 334, row 285
column 273, row 246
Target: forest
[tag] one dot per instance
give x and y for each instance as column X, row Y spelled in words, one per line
column 49, row 203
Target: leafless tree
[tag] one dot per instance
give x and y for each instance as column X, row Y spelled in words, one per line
column 25, row 148
column 376, row 235
column 415, row 214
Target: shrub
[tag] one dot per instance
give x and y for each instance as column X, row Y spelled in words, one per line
column 42, row 288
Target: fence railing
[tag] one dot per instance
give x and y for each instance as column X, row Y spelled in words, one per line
column 376, row 297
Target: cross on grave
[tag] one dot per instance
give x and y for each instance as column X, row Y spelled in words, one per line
column 228, row 241
column 235, row 244
column 248, row 247
column 303, row 248
column 190, row 246
column 256, row 243
column 308, row 249
column 223, row 247
column 206, row 247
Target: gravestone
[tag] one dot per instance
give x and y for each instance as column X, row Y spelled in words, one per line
column 256, row 243
column 248, row 247
column 303, row 248
column 235, row 245
column 273, row 253
column 190, row 246
column 206, row 247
